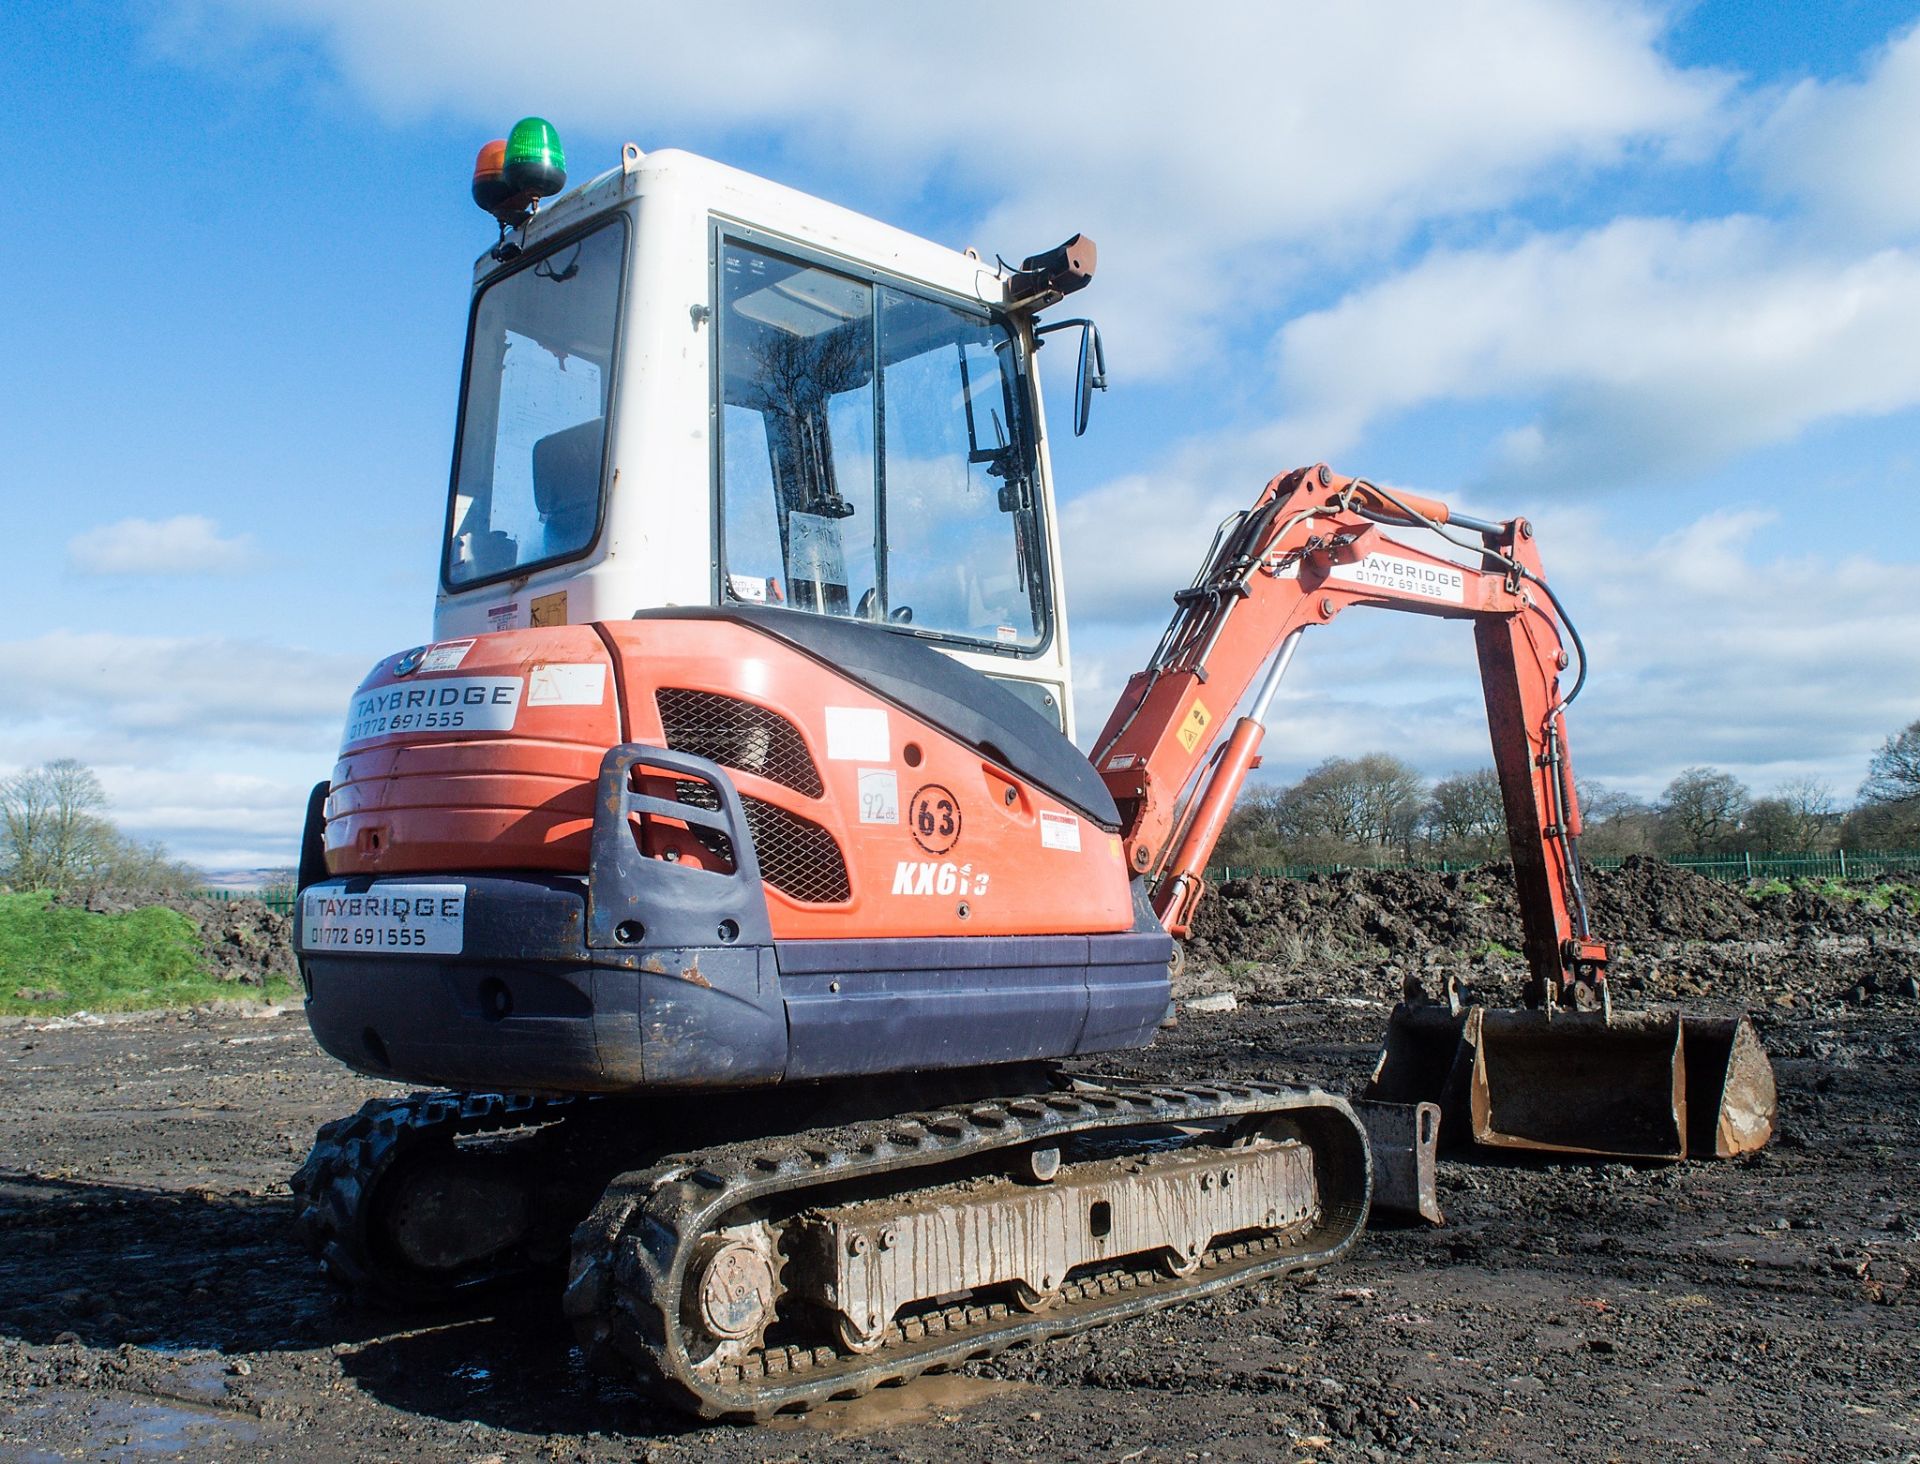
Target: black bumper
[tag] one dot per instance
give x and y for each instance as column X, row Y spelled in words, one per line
column 648, row 975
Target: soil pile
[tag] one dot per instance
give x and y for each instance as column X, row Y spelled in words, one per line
column 1674, row 934
column 247, row 942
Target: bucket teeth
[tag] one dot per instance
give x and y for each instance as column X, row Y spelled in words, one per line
column 1639, row 1085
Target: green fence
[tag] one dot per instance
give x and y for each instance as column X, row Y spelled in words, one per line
column 1842, row 864
column 274, row 897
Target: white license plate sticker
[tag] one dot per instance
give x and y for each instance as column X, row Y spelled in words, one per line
column 423, row 919
column 434, row 704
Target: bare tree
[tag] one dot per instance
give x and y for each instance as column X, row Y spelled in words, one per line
column 148, row 868
column 1795, row 820
column 1346, row 805
column 1615, row 823
column 55, row 835
column 52, row 820
column 1252, row 833
column 1894, row 774
column 1701, row 808
column 1465, row 814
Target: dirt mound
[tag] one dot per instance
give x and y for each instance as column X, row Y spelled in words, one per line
column 1674, row 933
column 1647, row 898
column 243, row 941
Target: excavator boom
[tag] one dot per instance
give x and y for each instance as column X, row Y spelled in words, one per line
column 1313, row 545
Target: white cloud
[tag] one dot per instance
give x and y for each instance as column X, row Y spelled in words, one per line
column 208, row 744
column 207, row 688
column 186, row 544
column 1210, row 154
column 1653, row 341
column 1849, row 147
column 1709, row 650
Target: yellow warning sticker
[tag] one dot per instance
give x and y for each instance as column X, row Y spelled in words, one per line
column 1193, row 731
column 550, row 609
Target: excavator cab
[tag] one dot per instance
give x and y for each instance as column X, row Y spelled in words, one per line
column 685, row 386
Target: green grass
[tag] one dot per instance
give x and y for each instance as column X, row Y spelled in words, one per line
column 1494, row 948
column 102, row 963
column 1905, row 896
column 1833, row 890
column 1889, row 894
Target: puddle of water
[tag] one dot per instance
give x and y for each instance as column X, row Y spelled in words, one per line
column 925, row 1400
column 123, row 1428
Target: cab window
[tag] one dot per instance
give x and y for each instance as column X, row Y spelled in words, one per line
column 874, row 460
column 533, row 433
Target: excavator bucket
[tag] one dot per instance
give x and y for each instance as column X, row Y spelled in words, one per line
column 1641, row 1085
column 1730, row 1095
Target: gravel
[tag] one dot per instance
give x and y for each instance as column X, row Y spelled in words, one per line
column 153, row 1301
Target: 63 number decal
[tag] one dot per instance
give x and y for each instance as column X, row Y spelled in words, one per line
column 934, row 817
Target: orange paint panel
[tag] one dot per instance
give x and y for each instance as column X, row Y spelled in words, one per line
column 520, row 796
column 867, row 820
column 976, row 866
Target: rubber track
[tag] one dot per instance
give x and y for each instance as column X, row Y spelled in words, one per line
column 350, row 1157
column 630, row 1256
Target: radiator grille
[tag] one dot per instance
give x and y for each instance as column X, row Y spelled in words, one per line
column 737, row 734
column 797, row 856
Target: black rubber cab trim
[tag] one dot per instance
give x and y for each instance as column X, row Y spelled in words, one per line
column 938, row 690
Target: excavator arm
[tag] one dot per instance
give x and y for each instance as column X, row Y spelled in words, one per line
column 1312, row 546
column 1647, row 1084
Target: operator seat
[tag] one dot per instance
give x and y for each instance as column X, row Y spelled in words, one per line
column 566, row 484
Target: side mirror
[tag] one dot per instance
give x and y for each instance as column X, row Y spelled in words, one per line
column 1091, row 377
column 1092, row 373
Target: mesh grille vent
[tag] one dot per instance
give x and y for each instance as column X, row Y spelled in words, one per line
column 797, row 856
column 702, row 795
column 738, row 734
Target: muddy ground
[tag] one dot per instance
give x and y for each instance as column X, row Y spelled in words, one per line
column 153, row 1302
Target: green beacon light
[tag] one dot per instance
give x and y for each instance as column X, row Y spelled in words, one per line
column 535, row 164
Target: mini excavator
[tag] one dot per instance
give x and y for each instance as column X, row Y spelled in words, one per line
column 727, row 868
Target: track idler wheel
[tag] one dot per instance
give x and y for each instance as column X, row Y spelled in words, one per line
column 732, row 1296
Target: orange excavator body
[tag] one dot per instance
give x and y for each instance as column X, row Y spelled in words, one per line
column 868, row 820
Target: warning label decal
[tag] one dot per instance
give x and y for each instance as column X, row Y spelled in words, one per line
column 1059, row 831
column 567, row 685
column 1193, row 731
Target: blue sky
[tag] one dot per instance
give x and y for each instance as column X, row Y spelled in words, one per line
column 1650, row 274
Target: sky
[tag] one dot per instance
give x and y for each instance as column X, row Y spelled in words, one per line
column 1646, row 273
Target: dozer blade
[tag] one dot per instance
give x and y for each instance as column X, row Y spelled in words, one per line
column 1641, row 1085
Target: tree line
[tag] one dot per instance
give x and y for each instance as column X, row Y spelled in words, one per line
column 1377, row 808
column 55, row 835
